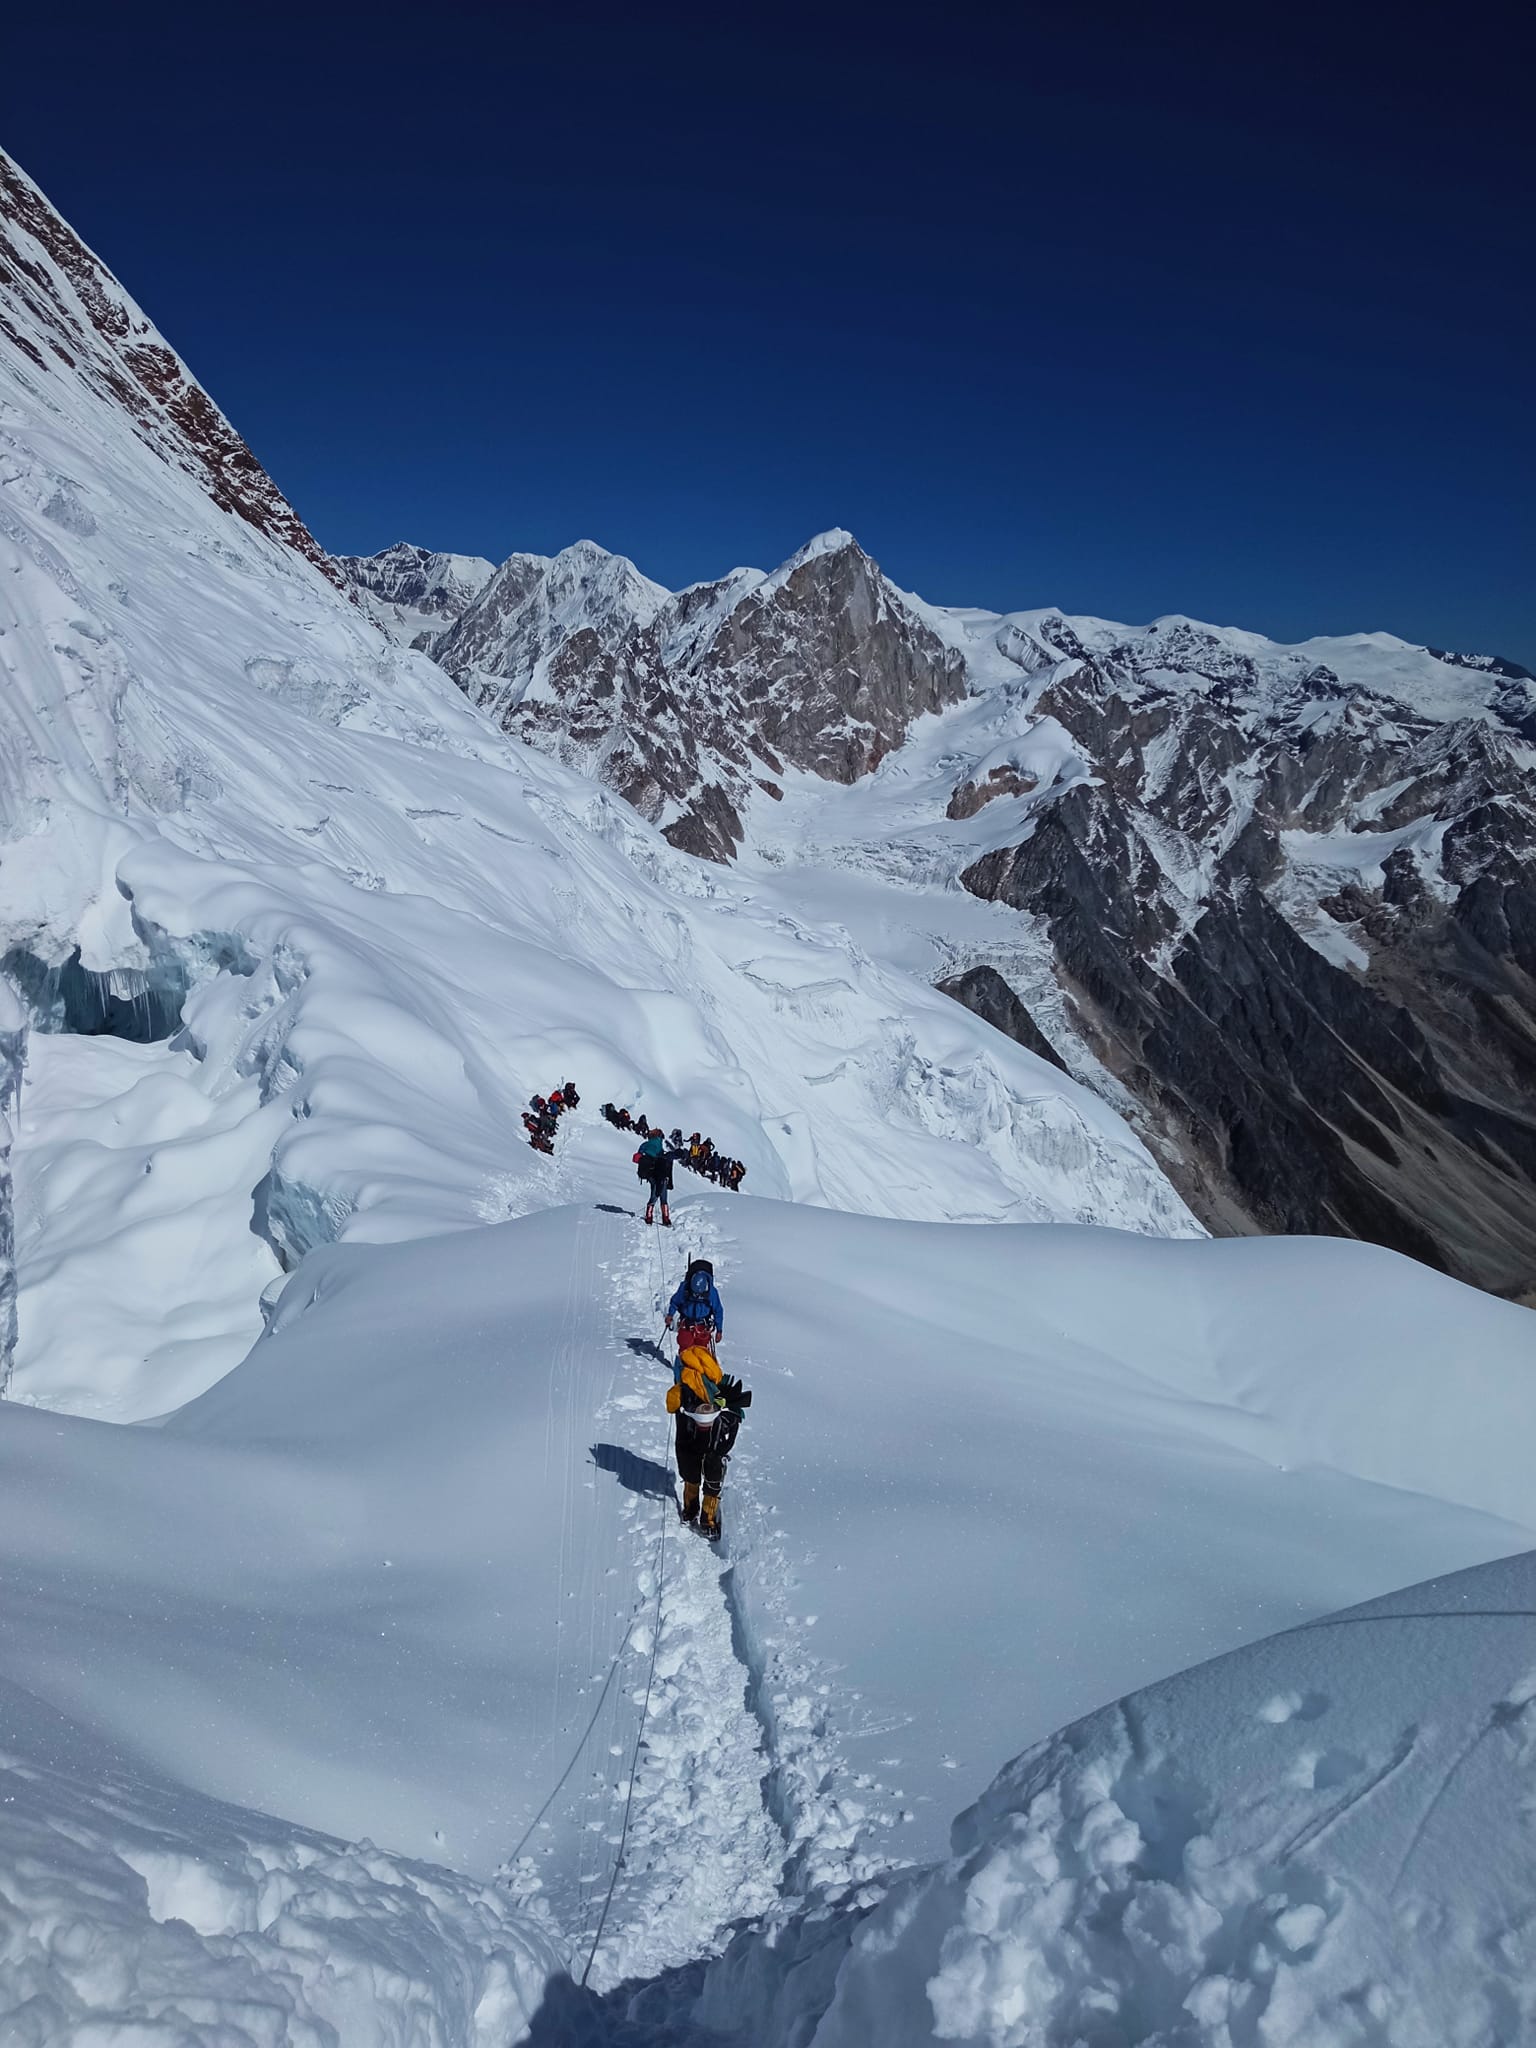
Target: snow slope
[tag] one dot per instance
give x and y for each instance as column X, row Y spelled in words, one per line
column 394, row 1575
column 372, row 927
column 134, row 1910
column 1322, row 1839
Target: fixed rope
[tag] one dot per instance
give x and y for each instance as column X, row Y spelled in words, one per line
column 645, row 1707
column 612, row 1672
column 581, row 1745
column 668, row 1501
column 634, row 1761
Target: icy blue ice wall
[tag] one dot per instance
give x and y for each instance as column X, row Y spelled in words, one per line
column 13, row 1043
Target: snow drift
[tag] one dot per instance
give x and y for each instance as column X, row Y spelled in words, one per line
column 1306, row 1842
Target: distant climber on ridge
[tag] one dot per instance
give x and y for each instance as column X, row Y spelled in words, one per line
column 707, row 1402
column 653, row 1163
column 542, row 1117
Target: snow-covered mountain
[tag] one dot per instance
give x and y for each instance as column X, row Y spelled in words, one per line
column 1278, row 904
column 687, row 704
column 412, row 594
column 289, row 931
column 272, row 876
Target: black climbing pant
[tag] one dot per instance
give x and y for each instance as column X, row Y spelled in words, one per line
column 703, row 1454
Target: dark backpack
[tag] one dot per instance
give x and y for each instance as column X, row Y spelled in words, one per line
column 698, row 1284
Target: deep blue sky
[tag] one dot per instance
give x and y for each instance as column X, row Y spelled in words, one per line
column 1226, row 312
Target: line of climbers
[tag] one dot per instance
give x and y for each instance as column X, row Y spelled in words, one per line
column 707, row 1402
column 544, row 1113
column 660, row 1151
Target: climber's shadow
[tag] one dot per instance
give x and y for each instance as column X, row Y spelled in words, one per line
column 637, row 1474
column 647, row 1347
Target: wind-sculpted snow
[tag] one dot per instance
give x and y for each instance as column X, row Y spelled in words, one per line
column 132, row 1909
column 1320, row 1840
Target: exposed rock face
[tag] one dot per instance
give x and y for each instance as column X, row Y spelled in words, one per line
column 73, row 311
column 683, row 703
column 1298, row 926
column 971, row 796
column 984, row 992
column 827, row 664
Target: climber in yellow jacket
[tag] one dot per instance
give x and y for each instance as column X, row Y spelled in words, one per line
column 706, row 1401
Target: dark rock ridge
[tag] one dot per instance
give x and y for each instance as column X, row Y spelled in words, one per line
column 1293, row 914
column 1387, row 1093
column 75, row 312
column 985, row 993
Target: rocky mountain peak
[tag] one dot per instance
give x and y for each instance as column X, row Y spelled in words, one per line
column 589, row 583
column 689, row 702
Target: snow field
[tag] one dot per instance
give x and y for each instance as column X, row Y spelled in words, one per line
column 1320, row 1840
column 135, row 1911
column 133, row 1171
column 699, row 1850
column 377, row 1578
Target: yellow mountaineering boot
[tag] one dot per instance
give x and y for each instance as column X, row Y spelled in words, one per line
column 690, row 1508
column 709, row 1517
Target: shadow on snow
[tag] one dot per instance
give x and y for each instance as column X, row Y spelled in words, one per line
column 631, row 2016
column 640, row 1475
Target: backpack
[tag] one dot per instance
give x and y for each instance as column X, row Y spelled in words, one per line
column 652, row 1154
column 696, row 1318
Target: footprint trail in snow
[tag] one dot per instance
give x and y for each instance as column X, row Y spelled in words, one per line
column 701, row 1852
